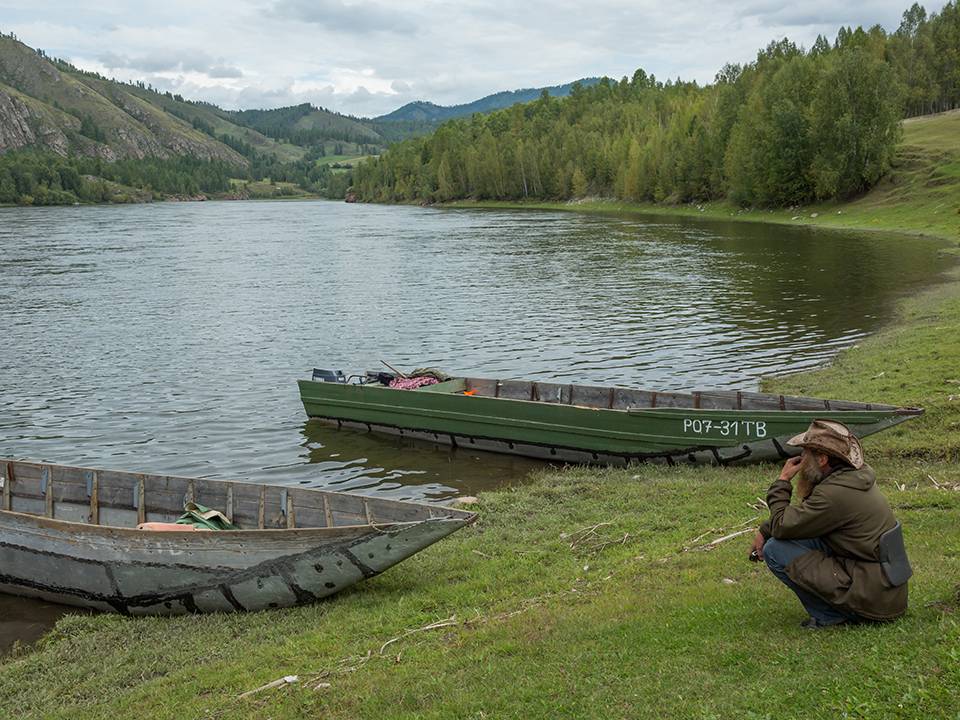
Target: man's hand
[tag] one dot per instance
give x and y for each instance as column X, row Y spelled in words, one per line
column 757, row 547
column 790, row 468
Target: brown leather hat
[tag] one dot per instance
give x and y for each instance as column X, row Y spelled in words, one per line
column 833, row 438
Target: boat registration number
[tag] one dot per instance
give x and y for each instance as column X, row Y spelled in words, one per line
column 725, row 428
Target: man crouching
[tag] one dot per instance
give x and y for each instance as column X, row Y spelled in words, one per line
column 840, row 549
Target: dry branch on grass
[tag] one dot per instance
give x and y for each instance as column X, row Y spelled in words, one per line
column 352, row 664
column 947, row 485
column 589, row 536
column 286, row 680
column 584, row 536
column 937, row 485
column 450, row 622
column 738, row 530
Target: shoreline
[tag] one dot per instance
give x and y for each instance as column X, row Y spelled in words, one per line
column 816, row 216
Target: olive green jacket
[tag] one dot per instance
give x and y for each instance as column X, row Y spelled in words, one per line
column 849, row 513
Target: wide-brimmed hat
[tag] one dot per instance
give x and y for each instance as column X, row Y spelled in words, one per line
column 833, row 438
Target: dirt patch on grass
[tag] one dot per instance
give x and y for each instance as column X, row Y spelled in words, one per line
column 948, row 606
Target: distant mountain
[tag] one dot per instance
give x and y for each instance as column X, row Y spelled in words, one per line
column 49, row 105
column 427, row 111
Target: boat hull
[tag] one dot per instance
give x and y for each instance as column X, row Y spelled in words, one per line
column 603, row 426
column 147, row 572
column 174, row 572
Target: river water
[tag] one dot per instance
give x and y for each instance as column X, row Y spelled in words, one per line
column 168, row 338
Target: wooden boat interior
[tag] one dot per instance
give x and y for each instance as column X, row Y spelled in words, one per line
column 616, row 398
column 124, row 499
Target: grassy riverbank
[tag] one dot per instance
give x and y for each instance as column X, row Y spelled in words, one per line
column 585, row 594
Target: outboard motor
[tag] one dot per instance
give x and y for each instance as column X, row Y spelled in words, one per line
column 320, row 375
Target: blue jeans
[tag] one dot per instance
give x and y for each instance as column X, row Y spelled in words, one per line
column 780, row 553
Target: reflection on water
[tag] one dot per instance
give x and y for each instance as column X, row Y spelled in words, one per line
column 353, row 460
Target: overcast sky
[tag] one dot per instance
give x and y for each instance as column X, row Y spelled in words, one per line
column 369, row 57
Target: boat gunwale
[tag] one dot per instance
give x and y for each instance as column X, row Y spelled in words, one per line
column 189, row 531
column 11, row 473
column 693, row 395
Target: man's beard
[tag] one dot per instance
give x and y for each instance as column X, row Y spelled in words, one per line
column 807, row 479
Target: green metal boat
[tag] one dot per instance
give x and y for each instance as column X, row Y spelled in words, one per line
column 583, row 424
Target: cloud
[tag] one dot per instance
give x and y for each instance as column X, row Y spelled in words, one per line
column 171, row 61
column 357, row 18
column 825, row 14
column 223, row 72
column 268, row 93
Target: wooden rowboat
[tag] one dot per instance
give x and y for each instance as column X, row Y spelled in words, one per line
column 69, row 535
column 590, row 425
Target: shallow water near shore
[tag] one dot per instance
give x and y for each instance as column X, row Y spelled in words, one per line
column 25, row 621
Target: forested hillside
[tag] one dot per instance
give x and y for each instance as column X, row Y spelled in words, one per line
column 310, row 126
column 793, row 126
column 48, row 106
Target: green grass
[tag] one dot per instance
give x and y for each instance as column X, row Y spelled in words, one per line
column 344, row 160
column 265, row 189
column 585, row 593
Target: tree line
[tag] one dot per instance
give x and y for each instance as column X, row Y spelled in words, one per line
column 31, row 178
column 791, row 127
column 307, row 173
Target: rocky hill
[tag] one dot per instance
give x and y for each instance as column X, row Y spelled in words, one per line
column 47, row 107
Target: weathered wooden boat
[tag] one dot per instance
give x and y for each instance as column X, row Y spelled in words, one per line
column 69, row 535
column 589, row 425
